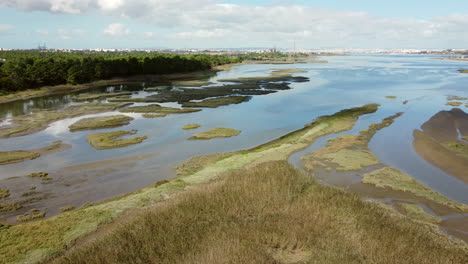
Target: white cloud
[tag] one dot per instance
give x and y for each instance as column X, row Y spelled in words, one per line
column 116, row 30
column 5, row 28
column 66, row 34
column 216, row 33
column 275, row 24
column 149, row 35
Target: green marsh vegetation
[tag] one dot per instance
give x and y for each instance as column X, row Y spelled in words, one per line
column 31, row 215
column 100, row 122
column 390, row 97
column 271, row 213
column 216, row 102
column 15, row 156
column 157, row 109
column 416, row 212
column 463, row 71
column 191, row 126
column 4, row 193
column 394, row 179
column 219, row 132
column 44, row 176
column 454, row 103
column 97, row 96
column 39, row 120
column 110, row 140
column 40, row 240
column 150, row 115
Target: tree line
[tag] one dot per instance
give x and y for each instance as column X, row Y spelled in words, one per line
column 22, row 70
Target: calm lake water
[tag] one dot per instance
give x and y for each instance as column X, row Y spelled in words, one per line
column 344, row 82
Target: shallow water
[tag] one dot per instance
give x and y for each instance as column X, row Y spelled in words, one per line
column 346, row 81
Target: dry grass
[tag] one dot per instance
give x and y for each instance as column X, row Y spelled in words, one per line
column 269, row 214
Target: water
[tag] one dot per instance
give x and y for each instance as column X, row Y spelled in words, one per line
column 346, row 81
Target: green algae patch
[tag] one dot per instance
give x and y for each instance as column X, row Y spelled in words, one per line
column 149, row 115
column 7, row 157
column 110, row 140
column 216, row 102
column 416, row 212
column 350, row 160
column 459, row 148
column 4, row 193
column 454, row 103
column 191, row 126
column 39, row 120
column 100, row 122
column 31, row 215
column 98, row 96
column 390, row 97
column 394, row 179
column 219, row 132
column 155, row 108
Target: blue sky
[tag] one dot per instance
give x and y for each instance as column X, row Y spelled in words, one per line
column 230, row 24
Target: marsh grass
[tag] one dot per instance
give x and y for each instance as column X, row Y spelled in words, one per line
column 417, row 212
column 219, row 132
column 190, row 126
column 150, row 115
column 100, row 122
column 4, row 193
column 110, row 140
column 33, row 214
column 216, row 102
column 157, row 109
column 271, row 213
column 392, row 178
column 454, row 103
column 7, row 157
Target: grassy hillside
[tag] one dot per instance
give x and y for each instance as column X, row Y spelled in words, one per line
column 270, row 213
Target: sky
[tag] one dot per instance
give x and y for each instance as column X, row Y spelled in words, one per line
column 153, row 24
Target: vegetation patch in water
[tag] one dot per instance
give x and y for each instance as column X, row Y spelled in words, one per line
column 392, row 178
column 10, row 207
column 463, row 71
column 100, row 122
column 149, row 115
column 192, row 83
column 416, row 212
column 41, row 175
column 133, row 100
column 110, row 140
column 348, row 152
column 191, row 126
column 459, row 148
column 390, row 97
column 39, row 120
column 155, row 108
column 219, row 132
column 97, row 96
column 7, row 157
column 4, row 193
column 31, row 215
column 349, row 160
column 454, row 103
column 216, row 102
column 456, row 98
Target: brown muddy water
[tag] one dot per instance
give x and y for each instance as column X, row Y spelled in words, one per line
column 84, row 175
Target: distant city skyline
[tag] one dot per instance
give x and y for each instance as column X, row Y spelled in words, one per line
column 179, row 24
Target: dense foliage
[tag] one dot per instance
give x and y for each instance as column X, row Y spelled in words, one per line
column 22, row 70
